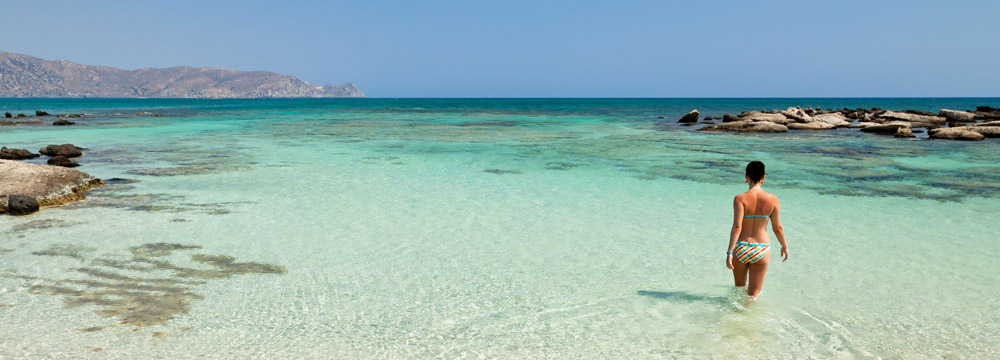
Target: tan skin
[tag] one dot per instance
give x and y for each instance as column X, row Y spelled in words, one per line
column 754, row 230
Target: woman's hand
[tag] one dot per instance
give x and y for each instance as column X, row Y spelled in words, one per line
column 729, row 261
column 784, row 253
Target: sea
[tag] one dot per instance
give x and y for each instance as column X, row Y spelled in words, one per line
column 494, row 229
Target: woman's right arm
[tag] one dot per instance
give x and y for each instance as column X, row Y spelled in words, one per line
column 735, row 233
column 779, row 231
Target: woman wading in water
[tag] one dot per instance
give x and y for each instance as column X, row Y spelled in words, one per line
column 749, row 243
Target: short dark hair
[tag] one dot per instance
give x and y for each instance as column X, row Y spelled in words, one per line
column 755, row 171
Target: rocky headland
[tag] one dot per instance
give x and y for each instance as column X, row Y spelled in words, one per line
column 25, row 187
column 26, row 76
column 979, row 124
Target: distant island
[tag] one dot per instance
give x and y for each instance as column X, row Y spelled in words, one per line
column 23, row 76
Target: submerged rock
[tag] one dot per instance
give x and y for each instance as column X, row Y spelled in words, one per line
column 16, row 154
column 62, row 122
column 67, row 150
column 747, row 126
column 41, row 113
column 63, row 161
column 956, row 133
column 8, row 115
column 49, row 185
column 690, row 117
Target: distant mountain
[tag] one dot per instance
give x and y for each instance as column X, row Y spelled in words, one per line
column 26, row 76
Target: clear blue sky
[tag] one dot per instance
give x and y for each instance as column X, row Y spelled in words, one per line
column 542, row 48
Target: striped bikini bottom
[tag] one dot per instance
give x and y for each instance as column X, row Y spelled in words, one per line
column 749, row 253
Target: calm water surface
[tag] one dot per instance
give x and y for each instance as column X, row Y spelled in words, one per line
column 513, row 228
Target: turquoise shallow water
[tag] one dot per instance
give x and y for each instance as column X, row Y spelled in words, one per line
column 514, row 228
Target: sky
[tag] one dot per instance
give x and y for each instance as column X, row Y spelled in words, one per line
column 542, row 48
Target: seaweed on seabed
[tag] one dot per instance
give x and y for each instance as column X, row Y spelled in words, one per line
column 162, row 291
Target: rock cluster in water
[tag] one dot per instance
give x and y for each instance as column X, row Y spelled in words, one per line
column 949, row 124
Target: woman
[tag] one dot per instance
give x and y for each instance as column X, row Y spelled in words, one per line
column 749, row 242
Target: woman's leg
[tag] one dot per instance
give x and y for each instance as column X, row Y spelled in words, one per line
column 757, row 272
column 739, row 272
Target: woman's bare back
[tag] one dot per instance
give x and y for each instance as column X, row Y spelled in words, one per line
column 758, row 208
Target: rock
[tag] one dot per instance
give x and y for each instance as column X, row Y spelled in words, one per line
column 986, row 109
column 71, row 116
column 690, row 117
column 660, row 117
column 62, row 122
column 835, row 119
column 21, row 204
column 904, row 132
column 987, row 131
column 41, row 113
column 989, row 123
column 957, row 116
column 914, row 119
column 886, row 129
column 67, row 150
column 8, row 115
column 861, row 125
column 815, row 125
column 706, row 122
column 748, row 126
column 959, row 133
column 22, row 116
column 16, row 154
column 919, row 112
column 63, row 161
column 730, row 117
column 796, row 113
column 49, row 185
column 759, row 116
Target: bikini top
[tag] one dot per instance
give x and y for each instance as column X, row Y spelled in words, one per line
column 756, row 216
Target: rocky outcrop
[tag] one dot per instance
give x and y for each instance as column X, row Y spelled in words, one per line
column 730, row 117
column 747, row 126
column 955, row 133
column 797, row 114
column 886, row 129
column 914, row 119
column 759, row 116
column 62, row 122
column 904, row 132
column 67, row 150
column 26, row 76
column 989, row 123
column 690, row 117
column 8, row 115
column 41, row 113
column 16, row 154
column 835, row 119
column 957, row 116
column 814, row 125
column 48, row 185
column 987, row 131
